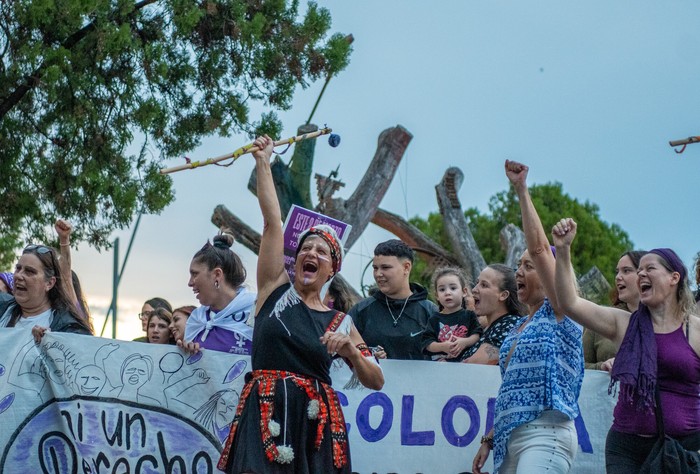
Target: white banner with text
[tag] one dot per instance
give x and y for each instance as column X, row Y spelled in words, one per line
column 82, row 404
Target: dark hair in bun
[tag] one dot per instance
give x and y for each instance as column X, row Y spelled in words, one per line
column 220, row 255
column 224, row 240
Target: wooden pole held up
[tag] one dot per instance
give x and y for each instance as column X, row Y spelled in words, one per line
column 250, row 148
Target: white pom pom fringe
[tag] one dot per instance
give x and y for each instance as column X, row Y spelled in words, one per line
column 312, row 410
column 285, row 454
column 274, row 428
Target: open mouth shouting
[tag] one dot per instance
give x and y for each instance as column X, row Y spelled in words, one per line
column 644, row 288
column 309, row 269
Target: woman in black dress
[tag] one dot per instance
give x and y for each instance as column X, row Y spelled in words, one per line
column 289, row 419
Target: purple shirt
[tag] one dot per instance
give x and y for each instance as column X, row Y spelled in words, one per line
column 678, row 379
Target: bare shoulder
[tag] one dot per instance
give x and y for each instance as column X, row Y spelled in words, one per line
column 265, row 291
column 622, row 321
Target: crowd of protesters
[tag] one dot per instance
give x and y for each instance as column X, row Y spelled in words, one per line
column 530, row 321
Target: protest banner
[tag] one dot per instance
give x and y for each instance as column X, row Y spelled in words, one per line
column 430, row 416
column 90, row 405
column 85, row 404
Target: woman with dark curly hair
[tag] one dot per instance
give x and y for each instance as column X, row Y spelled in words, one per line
column 216, row 278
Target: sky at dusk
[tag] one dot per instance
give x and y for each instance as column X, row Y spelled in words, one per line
column 587, row 94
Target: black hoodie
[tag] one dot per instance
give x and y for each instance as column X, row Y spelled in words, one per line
column 396, row 325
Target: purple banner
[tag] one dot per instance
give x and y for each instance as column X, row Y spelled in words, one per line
column 300, row 219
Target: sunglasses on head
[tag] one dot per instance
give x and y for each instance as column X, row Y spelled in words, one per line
column 43, row 250
column 40, row 249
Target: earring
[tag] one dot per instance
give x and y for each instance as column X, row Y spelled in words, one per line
column 216, row 284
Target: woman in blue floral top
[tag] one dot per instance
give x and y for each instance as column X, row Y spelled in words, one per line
column 541, row 363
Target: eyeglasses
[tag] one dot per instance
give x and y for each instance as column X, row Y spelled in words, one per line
column 146, row 315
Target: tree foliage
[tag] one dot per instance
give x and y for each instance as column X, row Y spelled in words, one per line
column 83, row 80
column 597, row 242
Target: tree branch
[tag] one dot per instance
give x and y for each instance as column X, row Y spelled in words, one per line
column 464, row 246
column 513, row 244
column 246, row 235
column 414, row 238
column 362, row 205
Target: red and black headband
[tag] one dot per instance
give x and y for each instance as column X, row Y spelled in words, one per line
column 331, row 239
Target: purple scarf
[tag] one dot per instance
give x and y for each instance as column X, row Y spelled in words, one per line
column 635, row 362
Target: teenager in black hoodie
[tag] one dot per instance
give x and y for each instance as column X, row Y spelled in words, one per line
column 392, row 320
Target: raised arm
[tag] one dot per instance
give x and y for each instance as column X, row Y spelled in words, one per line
column 64, row 229
column 271, row 272
column 535, row 236
column 608, row 322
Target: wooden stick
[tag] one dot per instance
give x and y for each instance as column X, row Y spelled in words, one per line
column 684, row 141
column 250, row 148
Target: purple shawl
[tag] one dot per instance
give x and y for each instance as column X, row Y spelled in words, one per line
column 635, row 362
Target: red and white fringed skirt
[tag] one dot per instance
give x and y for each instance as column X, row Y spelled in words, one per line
column 296, row 421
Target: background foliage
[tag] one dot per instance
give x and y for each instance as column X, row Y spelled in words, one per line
column 597, row 242
column 83, row 80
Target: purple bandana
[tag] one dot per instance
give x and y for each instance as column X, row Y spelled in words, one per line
column 673, row 261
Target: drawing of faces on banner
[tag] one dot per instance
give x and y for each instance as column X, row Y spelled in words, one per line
column 93, row 435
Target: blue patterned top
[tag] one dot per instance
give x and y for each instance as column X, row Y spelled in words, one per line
column 545, row 372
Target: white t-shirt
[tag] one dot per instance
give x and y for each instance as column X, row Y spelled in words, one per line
column 41, row 319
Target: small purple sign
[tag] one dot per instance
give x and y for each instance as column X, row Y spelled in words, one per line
column 300, row 219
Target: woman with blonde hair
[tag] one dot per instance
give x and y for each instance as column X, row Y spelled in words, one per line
column 658, row 356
